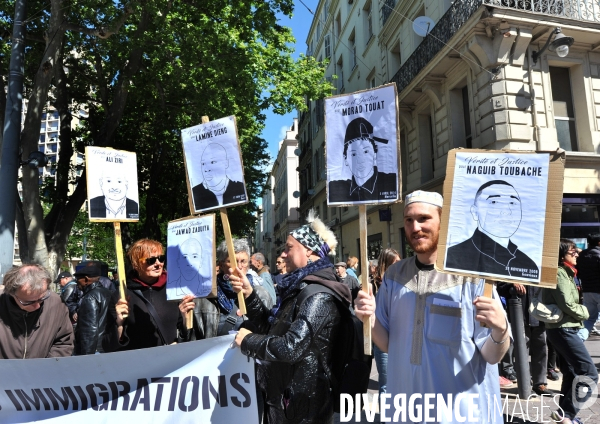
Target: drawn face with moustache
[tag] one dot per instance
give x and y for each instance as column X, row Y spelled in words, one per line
column 114, row 187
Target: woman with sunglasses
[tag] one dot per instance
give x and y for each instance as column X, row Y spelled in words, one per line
column 151, row 320
column 576, row 362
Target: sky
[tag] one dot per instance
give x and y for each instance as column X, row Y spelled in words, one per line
column 277, row 125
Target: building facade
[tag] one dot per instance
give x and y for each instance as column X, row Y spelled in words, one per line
column 477, row 78
column 280, row 203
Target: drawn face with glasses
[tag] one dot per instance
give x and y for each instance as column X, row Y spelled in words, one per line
column 30, row 300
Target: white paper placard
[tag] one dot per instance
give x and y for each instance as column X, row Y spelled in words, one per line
column 191, row 257
column 361, row 136
column 112, row 184
column 214, row 165
column 497, row 215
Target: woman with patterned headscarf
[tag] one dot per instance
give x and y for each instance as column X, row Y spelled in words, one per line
column 294, row 341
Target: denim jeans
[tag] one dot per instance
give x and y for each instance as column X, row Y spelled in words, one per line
column 381, row 359
column 575, row 361
column 592, row 302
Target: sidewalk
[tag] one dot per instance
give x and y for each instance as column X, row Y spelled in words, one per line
column 518, row 410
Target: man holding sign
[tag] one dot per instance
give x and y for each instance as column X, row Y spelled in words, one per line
column 439, row 316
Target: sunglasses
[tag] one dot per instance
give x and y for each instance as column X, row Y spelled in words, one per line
column 152, row 260
column 573, row 253
column 29, row 303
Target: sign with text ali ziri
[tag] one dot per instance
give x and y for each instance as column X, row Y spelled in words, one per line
column 112, row 185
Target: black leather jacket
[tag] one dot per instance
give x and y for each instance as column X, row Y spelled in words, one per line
column 292, row 350
column 91, row 320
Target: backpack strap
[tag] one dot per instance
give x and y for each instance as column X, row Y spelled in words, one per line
column 153, row 314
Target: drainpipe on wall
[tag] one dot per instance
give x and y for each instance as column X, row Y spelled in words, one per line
column 532, row 96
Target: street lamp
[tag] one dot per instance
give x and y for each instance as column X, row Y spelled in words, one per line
column 560, row 45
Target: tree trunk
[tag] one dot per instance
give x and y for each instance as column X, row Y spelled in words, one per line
column 32, row 208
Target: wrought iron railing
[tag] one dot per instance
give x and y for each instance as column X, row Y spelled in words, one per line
column 444, row 29
column 461, row 10
column 581, row 10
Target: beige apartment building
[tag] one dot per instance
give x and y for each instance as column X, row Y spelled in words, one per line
column 479, row 77
column 280, row 202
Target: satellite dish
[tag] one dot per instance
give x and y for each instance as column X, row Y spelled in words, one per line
column 297, row 152
column 296, row 194
column 422, row 25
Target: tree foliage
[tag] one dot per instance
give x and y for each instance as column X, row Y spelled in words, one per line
column 135, row 73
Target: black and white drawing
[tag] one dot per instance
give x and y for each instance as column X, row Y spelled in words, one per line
column 191, row 257
column 112, row 184
column 497, row 215
column 362, row 140
column 214, row 165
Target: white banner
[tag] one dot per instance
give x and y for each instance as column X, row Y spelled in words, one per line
column 197, row 382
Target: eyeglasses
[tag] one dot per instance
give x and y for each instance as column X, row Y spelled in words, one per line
column 279, row 262
column 29, row 303
column 573, row 253
column 152, row 260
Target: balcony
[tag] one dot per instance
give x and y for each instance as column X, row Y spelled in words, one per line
column 460, row 12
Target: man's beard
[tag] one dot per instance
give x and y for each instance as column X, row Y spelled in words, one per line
column 430, row 244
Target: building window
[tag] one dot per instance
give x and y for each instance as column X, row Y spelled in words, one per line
column 564, row 112
column 338, row 25
column 372, row 83
column 352, row 46
column 427, row 148
column 368, row 21
column 395, row 58
column 327, row 46
column 325, row 210
column 461, row 117
column 340, row 74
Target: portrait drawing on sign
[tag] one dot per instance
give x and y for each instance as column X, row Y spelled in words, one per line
column 114, row 203
column 497, row 209
column 217, row 188
column 190, row 279
column 360, row 156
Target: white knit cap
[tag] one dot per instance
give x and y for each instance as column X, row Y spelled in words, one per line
column 430, row 197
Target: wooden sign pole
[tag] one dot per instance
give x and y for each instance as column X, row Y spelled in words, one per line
column 364, row 276
column 232, row 258
column 488, row 290
column 120, row 260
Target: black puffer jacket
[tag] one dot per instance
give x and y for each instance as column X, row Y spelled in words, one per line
column 292, row 350
column 588, row 270
column 91, row 320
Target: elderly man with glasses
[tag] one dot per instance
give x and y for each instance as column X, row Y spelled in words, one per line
column 34, row 322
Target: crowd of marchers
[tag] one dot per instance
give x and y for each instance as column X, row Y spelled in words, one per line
column 426, row 325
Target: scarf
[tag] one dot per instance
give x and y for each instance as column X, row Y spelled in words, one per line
column 225, row 295
column 290, row 282
column 162, row 280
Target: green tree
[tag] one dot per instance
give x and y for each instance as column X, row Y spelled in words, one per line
column 142, row 70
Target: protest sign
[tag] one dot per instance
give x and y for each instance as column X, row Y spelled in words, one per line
column 213, row 163
column 361, row 136
column 112, row 185
column 197, row 382
column 191, row 257
column 501, row 215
